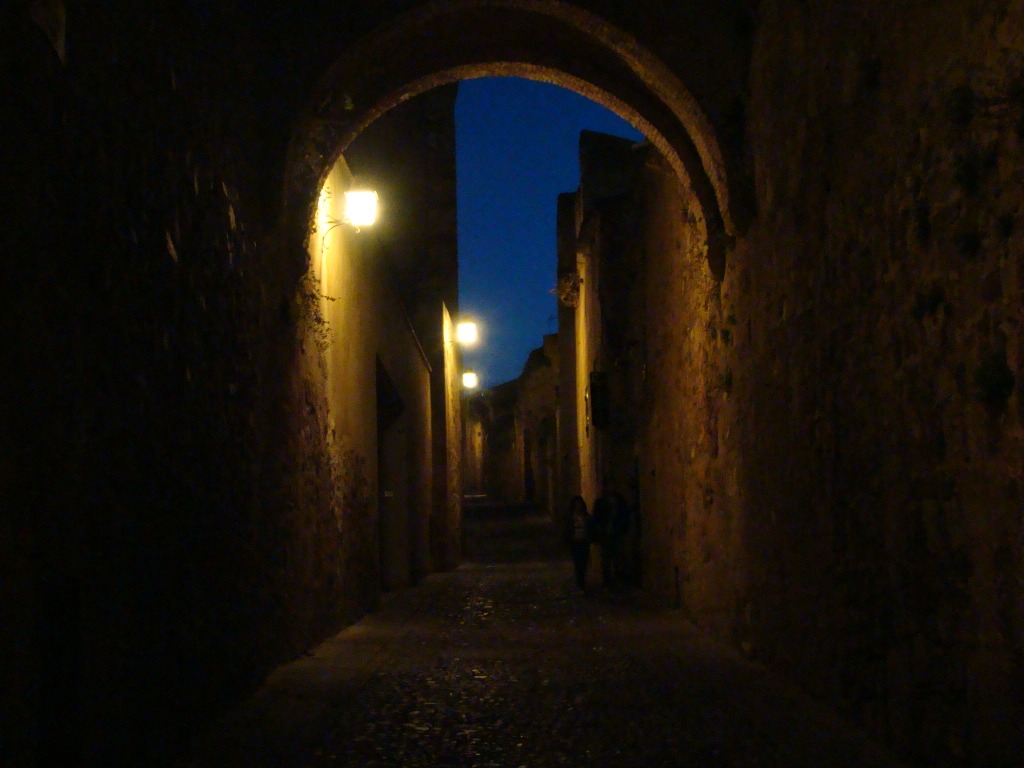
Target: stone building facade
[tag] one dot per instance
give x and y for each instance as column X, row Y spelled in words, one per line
column 601, row 331
column 675, row 428
column 510, row 434
column 538, row 408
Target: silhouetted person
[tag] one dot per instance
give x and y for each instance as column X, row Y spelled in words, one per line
column 633, row 545
column 610, row 525
column 622, row 570
column 578, row 535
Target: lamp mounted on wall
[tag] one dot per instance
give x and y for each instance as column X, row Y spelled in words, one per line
column 467, row 333
column 360, row 209
column 361, row 205
column 470, row 380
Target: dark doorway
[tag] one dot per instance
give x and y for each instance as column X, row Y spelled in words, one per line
column 392, row 483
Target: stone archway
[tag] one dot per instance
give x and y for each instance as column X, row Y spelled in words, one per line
column 552, row 42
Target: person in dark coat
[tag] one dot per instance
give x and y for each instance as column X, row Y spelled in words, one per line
column 578, row 535
column 609, row 515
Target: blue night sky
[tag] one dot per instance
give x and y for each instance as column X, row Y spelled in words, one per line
column 516, row 149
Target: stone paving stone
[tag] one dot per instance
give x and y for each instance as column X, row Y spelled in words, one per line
column 507, row 664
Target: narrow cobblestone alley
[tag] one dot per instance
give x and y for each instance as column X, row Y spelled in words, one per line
column 505, row 663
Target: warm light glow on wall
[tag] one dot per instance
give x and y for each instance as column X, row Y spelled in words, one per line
column 467, row 333
column 470, row 380
column 360, row 207
column 323, row 209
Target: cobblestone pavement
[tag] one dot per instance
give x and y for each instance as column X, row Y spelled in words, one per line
column 507, row 664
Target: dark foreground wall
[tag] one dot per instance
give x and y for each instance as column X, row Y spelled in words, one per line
column 173, row 523
column 833, row 431
column 156, row 479
column 888, row 274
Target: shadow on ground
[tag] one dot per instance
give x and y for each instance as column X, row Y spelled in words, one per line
column 505, row 663
column 509, row 533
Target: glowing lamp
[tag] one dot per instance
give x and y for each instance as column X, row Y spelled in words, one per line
column 466, row 332
column 470, row 380
column 360, row 207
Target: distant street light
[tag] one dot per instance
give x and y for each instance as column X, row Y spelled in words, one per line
column 470, row 380
column 467, row 333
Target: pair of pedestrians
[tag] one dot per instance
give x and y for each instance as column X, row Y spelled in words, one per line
column 607, row 527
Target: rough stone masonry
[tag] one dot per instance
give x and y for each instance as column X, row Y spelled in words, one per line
column 831, row 449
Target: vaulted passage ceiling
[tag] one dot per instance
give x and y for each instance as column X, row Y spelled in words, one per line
column 550, row 42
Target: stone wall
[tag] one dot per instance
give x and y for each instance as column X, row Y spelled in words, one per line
column 473, row 445
column 832, row 435
column 447, row 430
column 503, row 458
column 538, row 406
column 158, row 527
column 406, row 155
column 511, row 435
column 687, row 481
column 174, row 516
column 367, row 360
column 882, row 287
column 568, row 288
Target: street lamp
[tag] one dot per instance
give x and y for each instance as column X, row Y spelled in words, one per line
column 361, row 205
column 467, row 333
column 470, row 380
